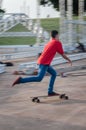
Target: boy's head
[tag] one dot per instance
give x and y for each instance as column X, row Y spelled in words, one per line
column 54, row 34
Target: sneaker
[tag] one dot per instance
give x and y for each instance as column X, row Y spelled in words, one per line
column 17, row 81
column 53, row 94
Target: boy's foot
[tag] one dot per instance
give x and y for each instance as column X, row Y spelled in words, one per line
column 53, row 94
column 17, row 81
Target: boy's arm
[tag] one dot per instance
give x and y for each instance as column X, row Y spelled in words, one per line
column 66, row 58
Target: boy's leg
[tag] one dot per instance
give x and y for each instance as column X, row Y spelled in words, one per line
column 37, row 78
column 52, row 79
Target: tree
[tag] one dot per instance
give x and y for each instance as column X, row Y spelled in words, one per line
column 55, row 4
column 2, row 11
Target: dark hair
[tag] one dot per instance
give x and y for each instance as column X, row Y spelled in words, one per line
column 54, row 33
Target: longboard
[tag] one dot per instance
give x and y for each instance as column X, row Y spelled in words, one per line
column 38, row 98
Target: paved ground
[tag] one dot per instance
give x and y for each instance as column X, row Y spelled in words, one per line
column 17, row 112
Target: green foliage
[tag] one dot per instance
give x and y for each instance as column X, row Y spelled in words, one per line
column 2, row 11
column 55, row 4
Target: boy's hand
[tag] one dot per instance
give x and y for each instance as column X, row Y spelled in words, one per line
column 70, row 62
column 66, row 58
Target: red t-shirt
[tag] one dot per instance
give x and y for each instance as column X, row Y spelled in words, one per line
column 49, row 52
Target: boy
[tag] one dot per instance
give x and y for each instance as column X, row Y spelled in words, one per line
column 51, row 48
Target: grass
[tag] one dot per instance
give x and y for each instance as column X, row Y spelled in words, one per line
column 48, row 25
column 18, row 28
column 17, row 40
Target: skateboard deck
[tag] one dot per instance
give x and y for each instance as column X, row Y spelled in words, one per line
column 37, row 99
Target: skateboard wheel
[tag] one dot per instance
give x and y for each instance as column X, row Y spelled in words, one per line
column 38, row 101
column 66, row 97
column 62, row 96
column 34, row 99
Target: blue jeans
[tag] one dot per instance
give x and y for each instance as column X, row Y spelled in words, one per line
column 41, row 73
